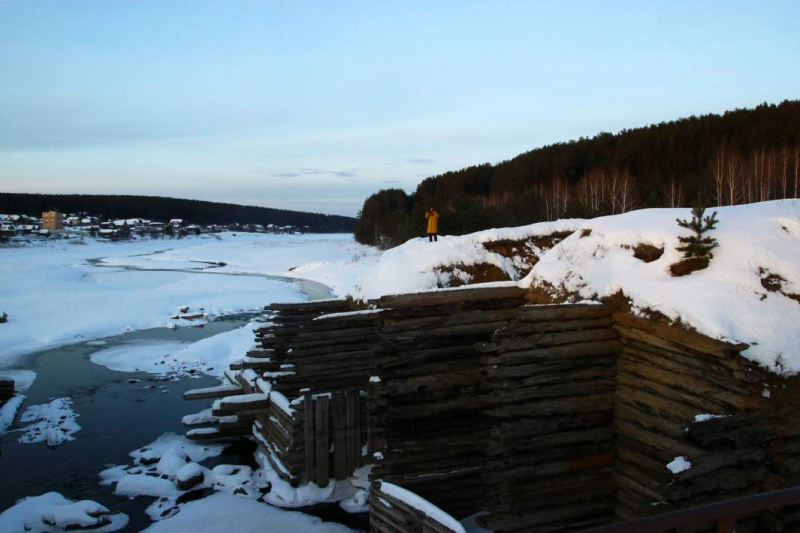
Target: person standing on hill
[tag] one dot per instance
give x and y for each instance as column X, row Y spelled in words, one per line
column 433, row 224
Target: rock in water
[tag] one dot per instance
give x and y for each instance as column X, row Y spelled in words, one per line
column 189, row 476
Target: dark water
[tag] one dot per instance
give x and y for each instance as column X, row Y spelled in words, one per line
column 116, row 417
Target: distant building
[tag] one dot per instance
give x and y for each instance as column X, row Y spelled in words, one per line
column 52, row 220
column 176, row 222
column 7, row 230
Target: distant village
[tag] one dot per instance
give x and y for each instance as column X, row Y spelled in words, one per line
column 54, row 224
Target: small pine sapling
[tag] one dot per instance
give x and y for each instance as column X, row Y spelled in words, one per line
column 697, row 245
column 696, row 248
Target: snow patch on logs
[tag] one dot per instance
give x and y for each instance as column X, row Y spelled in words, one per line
column 678, row 465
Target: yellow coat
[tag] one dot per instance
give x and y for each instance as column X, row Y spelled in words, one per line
column 433, row 221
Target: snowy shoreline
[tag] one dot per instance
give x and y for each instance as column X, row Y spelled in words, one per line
column 56, row 296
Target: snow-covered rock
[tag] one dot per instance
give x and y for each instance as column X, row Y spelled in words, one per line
column 189, row 476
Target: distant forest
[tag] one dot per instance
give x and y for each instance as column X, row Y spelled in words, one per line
column 743, row 156
column 164, row 209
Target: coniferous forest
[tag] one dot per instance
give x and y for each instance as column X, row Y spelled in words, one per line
column 742, row 156
column 163, row 209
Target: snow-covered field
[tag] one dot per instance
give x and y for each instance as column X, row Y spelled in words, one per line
column 54, row 295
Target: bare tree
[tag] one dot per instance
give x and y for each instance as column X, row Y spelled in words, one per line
column 612, row 190
column 796, row 170
column 783, row 177
column 591, row 191
column 674, row 193
column 626, row 191
column 718, row 171
column 734, row 177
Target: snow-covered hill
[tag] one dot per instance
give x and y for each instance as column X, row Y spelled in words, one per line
column 749, row 293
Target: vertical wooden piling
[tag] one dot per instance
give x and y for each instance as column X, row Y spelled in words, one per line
column 322, row 441
column 308, row 403
column 339, row 416
column 355, row 407
column 349, row 422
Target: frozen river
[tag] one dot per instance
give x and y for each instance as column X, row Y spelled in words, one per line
column 68, row 308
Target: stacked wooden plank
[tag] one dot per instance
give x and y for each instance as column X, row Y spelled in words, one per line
column 425, row 403
column 666, row 376
column 550, row 394
column 6, row 389
column 320, row 346
column 334, row 434
column 340, row 341
column 392, row 509
column 276, row 340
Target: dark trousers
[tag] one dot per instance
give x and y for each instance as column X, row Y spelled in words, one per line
column 433, row 237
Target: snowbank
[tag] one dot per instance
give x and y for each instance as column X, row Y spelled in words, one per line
column 220, row 512
column 750, row 293
column 170, row 358
column 412, row 267
column 23, row 379
column 728, row 300
column 53, row 513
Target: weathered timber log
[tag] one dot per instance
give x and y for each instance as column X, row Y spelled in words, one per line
column 391, row 323
column 423, row 299
column 575, row 389
column 704, row 402
column 700, row 367
column 660, row 442
column 551, row 326
column 559, row 518
column 332, row 305
column 559, row 338
column 515, row 377
column 212, row 392
column 557, row 352
column 561, row 406
column 679, row 335
column 540, row 313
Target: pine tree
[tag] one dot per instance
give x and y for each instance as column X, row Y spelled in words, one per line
column 697, row 245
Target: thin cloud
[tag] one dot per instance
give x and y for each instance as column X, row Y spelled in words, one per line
column 302, row 172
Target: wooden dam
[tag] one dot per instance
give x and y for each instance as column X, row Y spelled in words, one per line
column 541, row 417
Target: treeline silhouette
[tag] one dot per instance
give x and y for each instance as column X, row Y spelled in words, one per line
column 163, row 209
column 742, row 156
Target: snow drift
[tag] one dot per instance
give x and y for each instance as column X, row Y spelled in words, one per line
column 750, row 292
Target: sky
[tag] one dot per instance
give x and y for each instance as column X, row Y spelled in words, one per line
column 316, row 105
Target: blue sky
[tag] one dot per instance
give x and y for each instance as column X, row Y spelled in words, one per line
column 316, row 105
